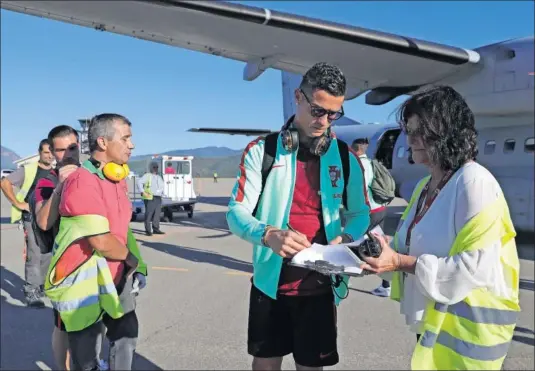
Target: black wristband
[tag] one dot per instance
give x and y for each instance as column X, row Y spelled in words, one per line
column 131, row 260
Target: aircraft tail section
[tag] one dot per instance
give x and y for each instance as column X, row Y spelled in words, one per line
column 290, row 82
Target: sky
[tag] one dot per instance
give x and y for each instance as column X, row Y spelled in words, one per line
column 54, row 73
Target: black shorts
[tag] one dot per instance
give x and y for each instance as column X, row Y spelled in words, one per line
column 302, row 325
column 57, row 321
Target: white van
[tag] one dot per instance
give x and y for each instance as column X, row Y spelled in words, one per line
column 179, row 192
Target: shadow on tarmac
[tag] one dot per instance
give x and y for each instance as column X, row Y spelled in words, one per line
column 27, row 333
column 201, row 256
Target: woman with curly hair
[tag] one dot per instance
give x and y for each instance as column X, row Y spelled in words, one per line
column 454, row 260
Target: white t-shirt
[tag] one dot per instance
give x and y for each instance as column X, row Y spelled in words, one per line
column 446, row 279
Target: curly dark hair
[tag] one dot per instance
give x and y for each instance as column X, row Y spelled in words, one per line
column 446, row 124
column 324, row 76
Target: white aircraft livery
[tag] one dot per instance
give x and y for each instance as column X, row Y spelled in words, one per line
column 496, row 80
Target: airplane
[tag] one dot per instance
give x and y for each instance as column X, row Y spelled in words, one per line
column 496, row 80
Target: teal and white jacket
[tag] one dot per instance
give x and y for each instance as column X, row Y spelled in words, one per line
column 275, row 203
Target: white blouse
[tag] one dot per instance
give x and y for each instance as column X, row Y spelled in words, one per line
column 446, row 279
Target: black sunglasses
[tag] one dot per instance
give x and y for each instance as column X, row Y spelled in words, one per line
column 317, row 111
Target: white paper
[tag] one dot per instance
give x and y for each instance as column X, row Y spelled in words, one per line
column 338, row 255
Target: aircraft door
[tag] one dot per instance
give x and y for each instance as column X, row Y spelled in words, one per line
column 173, row 180
column 184, row 169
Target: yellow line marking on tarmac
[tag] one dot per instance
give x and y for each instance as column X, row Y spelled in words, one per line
column 171, row 269
column 9, row 227
column 238, row 273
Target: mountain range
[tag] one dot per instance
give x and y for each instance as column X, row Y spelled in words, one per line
column 206, row 161
column 7, row 156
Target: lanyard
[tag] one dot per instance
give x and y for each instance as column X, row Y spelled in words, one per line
column 420, row 211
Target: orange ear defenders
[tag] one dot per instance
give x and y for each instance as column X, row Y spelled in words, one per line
column 112, row 171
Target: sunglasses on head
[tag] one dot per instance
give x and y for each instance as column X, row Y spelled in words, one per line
column 316, row 111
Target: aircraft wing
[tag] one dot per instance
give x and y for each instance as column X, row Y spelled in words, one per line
column 388, row 65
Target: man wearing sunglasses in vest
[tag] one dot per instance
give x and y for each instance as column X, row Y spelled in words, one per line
column 292, row 309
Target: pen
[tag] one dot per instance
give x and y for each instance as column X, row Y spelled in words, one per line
column 290, row 228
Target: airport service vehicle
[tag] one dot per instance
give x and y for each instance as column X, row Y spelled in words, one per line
column 179, row 195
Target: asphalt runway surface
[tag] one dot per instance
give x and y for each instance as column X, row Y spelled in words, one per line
column 193, row 312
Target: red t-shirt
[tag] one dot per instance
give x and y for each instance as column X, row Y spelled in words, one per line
column 305, row 217
column 44, row 188
column 87, row 193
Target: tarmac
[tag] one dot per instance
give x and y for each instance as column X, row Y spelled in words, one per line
column 193, row 312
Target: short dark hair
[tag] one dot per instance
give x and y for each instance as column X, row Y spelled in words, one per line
column 102, row 126
column 447, row 126
column 324, row 76
column 43, row 143
column 361, row 141
column 60, row 132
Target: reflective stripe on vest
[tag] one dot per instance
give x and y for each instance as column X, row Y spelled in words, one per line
column 146, row 188
column 82, row 297
column 396, row 290
column 30, row 171
column 474, row 334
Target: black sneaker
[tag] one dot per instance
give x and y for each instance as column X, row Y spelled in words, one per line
column 157, row 231
column 33, row 300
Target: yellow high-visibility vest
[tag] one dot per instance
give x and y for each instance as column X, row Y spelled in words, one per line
column 146, row 188
column 30, row 171
column 83, row 296
column 475, row 333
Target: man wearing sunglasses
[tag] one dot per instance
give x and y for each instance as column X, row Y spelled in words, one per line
column 292, row 309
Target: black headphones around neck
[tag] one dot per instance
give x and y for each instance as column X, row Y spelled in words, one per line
column 290, row 140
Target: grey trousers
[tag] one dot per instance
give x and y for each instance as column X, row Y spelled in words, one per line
column 122, row 334
column 153, row 211
column 36, row 264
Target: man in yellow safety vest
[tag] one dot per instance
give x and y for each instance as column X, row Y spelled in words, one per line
column 36, row 261
column 151, row 186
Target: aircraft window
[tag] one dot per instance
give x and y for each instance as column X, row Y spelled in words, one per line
column 529, row 145
column 509, row 145
column 401, row 152
column 490, row 146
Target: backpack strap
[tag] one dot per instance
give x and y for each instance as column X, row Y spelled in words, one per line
column 270, row 151
column 344, row 157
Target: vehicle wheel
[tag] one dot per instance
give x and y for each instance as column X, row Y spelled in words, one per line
column 167, row 216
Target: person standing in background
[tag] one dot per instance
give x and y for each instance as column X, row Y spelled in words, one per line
column 25, row 179
column 151, row 188
column 377, row 211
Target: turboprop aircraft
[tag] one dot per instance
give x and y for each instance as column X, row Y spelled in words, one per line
column 496, row 80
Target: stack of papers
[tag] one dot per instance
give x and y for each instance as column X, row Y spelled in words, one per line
column 332, row 259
